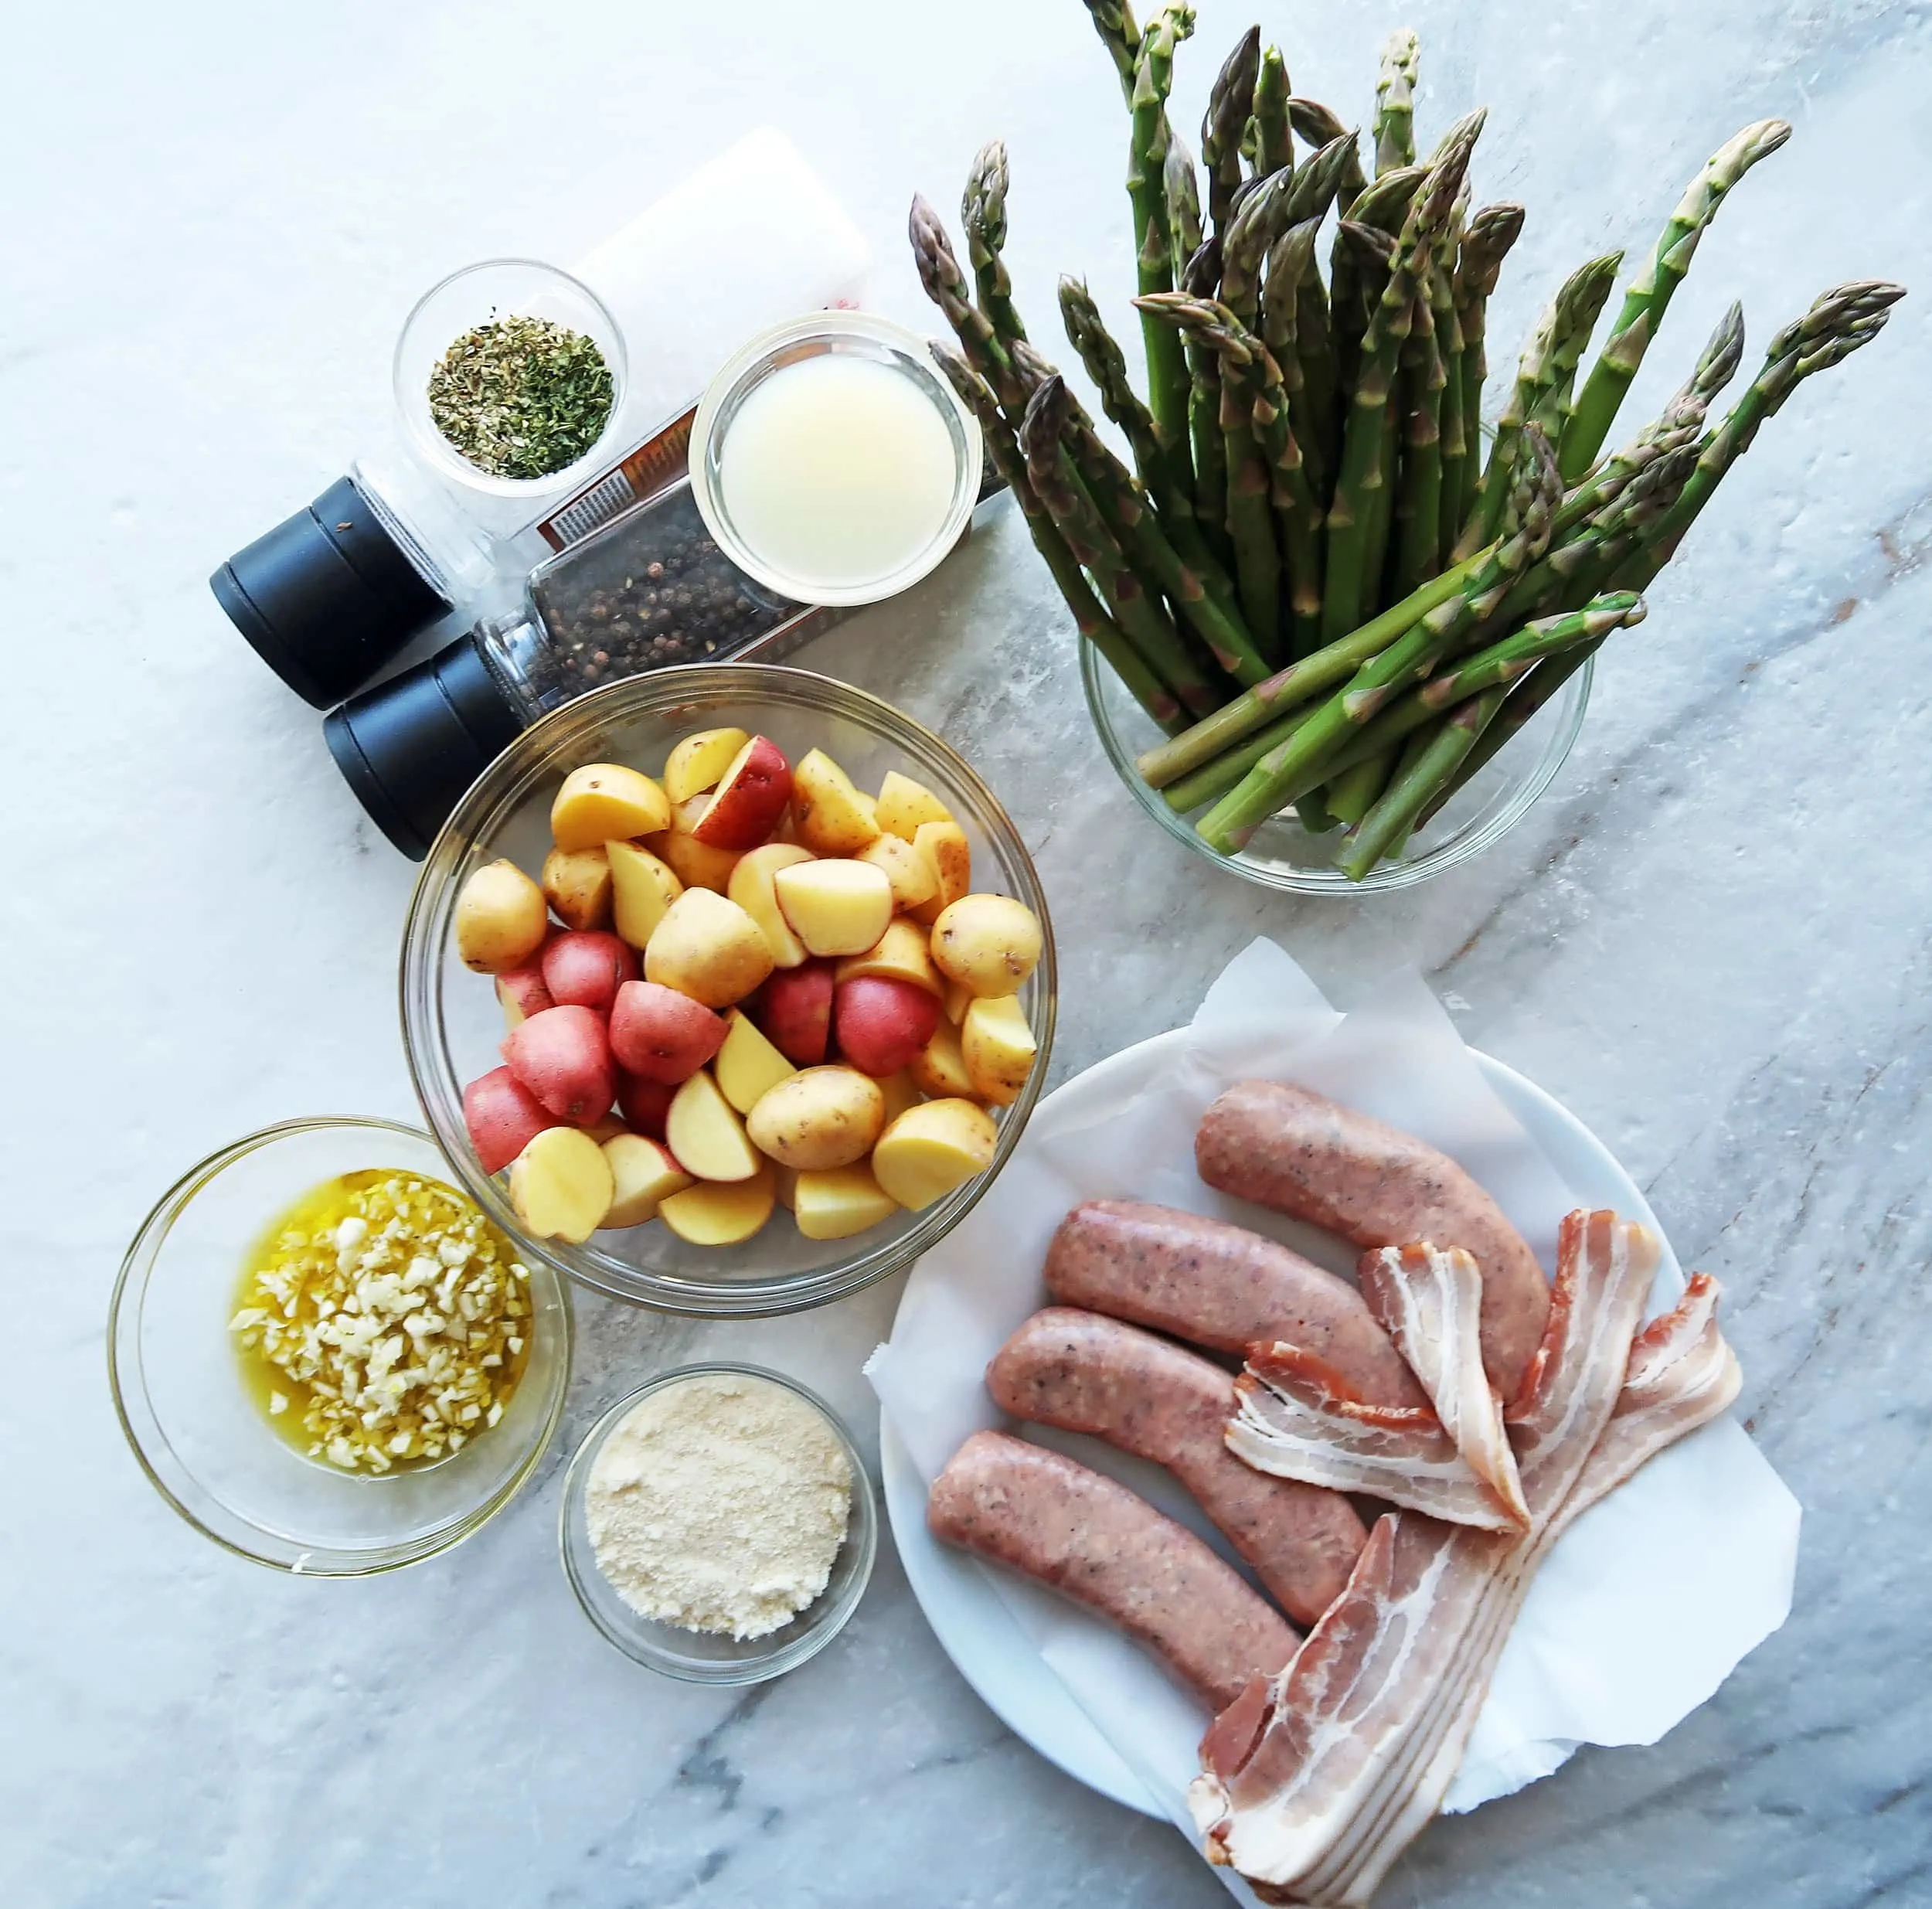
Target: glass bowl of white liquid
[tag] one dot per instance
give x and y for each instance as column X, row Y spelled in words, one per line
column 830, row 461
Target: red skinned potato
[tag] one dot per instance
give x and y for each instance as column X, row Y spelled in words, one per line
column 644, row 1104
column 585, row 967
column 522, row 993
column 882, row 1025
column 661, row 1034
column 794, row 1009
column 502, row 1116
column 749, row 798
column 563, row 1056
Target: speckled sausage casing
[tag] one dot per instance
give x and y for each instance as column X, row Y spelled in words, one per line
column 1147, row 1395
column 1221, row 1286
column 1094, row 1541
column 1302, row 1154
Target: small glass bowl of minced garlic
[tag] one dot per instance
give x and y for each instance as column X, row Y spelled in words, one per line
column 325, row 1357
column 718, row 1525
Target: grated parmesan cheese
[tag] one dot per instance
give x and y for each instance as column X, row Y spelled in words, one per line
column 719, row 1504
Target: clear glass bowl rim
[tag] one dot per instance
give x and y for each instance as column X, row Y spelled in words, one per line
column 1383, row 878
column 137, row 1264
column 831, row 1620
column 497, row 790
column 430, row 444
column 750, row 358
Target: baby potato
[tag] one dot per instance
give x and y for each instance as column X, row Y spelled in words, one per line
column 501, row 918
column 989, row 944
column 822, row 1118
column 999, row 1049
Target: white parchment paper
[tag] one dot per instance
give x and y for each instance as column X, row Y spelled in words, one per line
column 1642, row 1610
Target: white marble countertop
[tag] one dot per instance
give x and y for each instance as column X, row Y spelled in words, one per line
column 1710, row 940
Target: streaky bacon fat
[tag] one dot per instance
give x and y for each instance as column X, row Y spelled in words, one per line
column 1317, row 1779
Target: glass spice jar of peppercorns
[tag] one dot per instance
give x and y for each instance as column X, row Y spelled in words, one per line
column 648, row 589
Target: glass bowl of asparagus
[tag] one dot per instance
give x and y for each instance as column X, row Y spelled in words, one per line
column 1338, row 616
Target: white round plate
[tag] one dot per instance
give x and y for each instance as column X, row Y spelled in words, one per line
column 972, row 1625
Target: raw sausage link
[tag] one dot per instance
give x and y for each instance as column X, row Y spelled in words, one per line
column 1222, row 1286
column 1147, row 1395
column 1094, row 1541
column 1302, row 1154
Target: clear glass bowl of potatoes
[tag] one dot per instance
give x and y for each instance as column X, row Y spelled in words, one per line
column 454, row 1020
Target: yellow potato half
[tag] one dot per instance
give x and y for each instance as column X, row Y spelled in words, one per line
column 561, row 1185
column 844, row 1200
column 706, row 1215
column 999, row 1049
column 931, row 1149
column 606, row 802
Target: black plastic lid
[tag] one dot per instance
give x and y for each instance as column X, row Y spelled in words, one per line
column 410, row 746
column 327, row 597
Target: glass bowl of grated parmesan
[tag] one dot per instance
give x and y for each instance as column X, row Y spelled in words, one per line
column 718, row 1525
column 426, row 1336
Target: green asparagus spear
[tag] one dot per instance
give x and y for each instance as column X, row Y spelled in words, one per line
column 1308, row 367
column 1273, row 148
column 1678, row 424
column 1314, row 125
column 1384, row 204
column 1182, row 189
column 1260, row 220
column 1122, row 506
column 1202, row 280
column 982, row 213
column 1418, row 506
column 1499, row 666
column 1347, row 583
column 1502, row 662
column 1358, row 270
column 1050, row 470
column 1113, row 20
column 1090, row 619
column 1167, row 376
column 1558, row 341
column 1395, row 101
column 1839, row 323
column 1645, row 302
column 1590, row 285
column 1294, row 766
column 1286, row 690
column 1486, row 242
column 1230, row 102
column 1449, row 343
column 1251, row 379
column 946, row 285
column 1387, row 825
column 1168, row 482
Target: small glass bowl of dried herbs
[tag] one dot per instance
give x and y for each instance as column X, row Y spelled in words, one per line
column 508, row 374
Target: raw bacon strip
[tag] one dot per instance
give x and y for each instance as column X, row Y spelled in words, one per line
column 1429, row 1302
column 1682, row 1376
column 1368, row 1724
column 1295, row 1418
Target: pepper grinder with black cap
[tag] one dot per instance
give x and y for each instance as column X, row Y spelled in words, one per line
column 332, row 595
